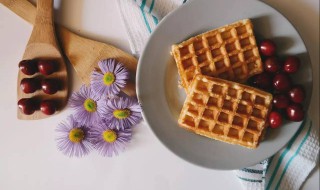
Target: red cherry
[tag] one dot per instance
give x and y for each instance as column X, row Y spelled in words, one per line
column 47, row 67
column 27, row 105
column 263, row 81
column 48, row 107
column 275, row 119
column 272, row 65
column 29, row 85
column 297, row 94
column 49, row 86
column 282, row 82
column 267, row 47
column 291, row 64
column 28, row 67
column 295, row 112
column 280, row 101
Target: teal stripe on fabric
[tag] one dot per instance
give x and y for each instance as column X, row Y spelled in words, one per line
column 270, row 161
column 143, row 4
column 155, row 20
column 250, row 180
column 145, row 20
column 284, row 153
column 252, row 171
column 293, row 156
column 151, row 6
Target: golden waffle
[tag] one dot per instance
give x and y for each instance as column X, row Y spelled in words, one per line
column 225, row 111
column 229, row 52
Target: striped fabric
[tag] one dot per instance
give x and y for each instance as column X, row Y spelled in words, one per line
column 140, row 17
column 288, row 168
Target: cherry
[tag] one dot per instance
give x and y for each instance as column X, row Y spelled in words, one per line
column 27, row 105
column 275, row 119
column 272, row 65
column 262, row 80
column 291, row 64
column 267, row 47
column 297, row 94
column 49, row 86
column 280, row 101
column 281, row 82
column 48, row 107
column 29, row 85
column 295, row 112
column 28, row 67
column 47, row 67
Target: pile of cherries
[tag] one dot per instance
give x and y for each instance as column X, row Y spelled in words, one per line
column 287, row 97
column 30, row 85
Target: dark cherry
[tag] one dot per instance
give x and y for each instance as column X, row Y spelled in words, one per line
column 297, row 94
column 295, row 112
column 48, row 107
column 291, row 64
column 267, row 47
column 29, row 85
column 47, row 67
column 49, row 86
column 262, row 80
column 27, row 106
column 275, row 119
column 281, row 82
column 28, row 67
column 280, row 101
column 272, row 65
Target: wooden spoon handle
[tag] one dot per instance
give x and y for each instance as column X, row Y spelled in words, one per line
column 43, row 28
column 22, row 8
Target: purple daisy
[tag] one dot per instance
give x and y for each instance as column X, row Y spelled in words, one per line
column 73, row 138
column 87, row 106
column 109, row 140
column 112, row 78
column 122, row 112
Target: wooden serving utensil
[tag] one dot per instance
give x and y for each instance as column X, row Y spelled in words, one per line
column 83, row 53
column 43, row 45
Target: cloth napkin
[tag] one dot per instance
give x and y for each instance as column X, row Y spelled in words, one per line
column 288, row 168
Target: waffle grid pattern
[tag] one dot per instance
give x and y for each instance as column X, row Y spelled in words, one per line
column 229, row 52
column 225, row 111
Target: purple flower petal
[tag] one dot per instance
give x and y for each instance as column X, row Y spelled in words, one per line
column 76, row 102
column 68, row 147
column 121, row 76
column 120, row 104
column 109, row 148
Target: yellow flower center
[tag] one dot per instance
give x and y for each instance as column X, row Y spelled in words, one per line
column 108, row 78
column 121, row 114
column 109, row 136
column 90, row 105
column 76, row 135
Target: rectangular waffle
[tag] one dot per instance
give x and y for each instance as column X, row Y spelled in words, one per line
column 225, row 111
column 229, row 52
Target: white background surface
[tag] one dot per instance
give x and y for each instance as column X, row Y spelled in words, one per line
column 28, row 155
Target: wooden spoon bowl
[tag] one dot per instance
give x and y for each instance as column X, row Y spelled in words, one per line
column 42, row 45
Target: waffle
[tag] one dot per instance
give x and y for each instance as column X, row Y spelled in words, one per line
column 225, row 111
column 229, row 52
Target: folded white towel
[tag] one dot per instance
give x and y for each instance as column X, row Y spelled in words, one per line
column 140, row 17
column 288, row 168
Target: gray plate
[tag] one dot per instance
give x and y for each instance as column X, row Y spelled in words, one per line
column 161, row 99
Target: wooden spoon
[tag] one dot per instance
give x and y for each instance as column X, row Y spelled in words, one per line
column 42, row 45
column 83, row 53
